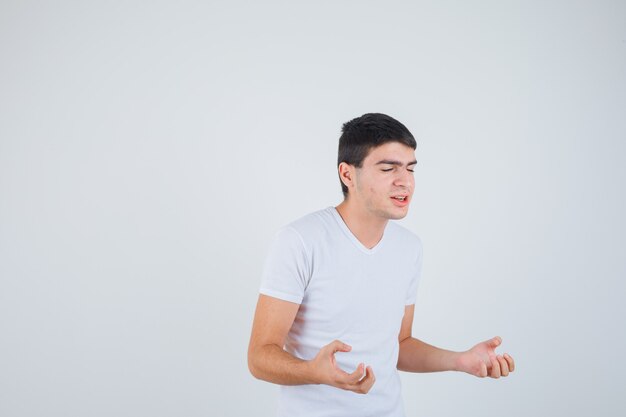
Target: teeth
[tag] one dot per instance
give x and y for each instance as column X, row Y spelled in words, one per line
column 400, row 198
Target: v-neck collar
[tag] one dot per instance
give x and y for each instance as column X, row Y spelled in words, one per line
column 343, row 226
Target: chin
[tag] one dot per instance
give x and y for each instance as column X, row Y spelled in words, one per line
column 396, row 214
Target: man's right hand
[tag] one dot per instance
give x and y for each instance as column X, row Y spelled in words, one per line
column 269, row 361
column 326, row 371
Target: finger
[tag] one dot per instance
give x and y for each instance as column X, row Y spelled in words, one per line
column 495, row 367
column 510, row 361
column 364, row 385
column 350, row 379
column 357, row 374
column 368, row 381
column 339, row 346
column 504, row 365
column 494, row 342
column 482, row 372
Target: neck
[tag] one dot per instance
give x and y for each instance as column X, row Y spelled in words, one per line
column 364, row 225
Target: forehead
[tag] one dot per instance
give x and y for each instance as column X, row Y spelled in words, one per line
column 390, row 150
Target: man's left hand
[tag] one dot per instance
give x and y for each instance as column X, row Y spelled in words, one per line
column 482, row 361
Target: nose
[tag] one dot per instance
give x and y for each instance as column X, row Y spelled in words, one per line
column 404, row 179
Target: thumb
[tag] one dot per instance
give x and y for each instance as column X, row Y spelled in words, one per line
column 494, row 342
column 339, row 346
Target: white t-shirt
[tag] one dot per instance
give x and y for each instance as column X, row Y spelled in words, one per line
column 347, row 292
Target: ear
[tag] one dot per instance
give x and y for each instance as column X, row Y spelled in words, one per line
column 347, row 174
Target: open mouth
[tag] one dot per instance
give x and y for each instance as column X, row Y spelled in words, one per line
column 400, row 200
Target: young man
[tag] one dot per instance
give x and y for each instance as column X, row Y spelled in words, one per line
column 338, row 291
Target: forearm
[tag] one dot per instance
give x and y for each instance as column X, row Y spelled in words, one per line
column 273, row 364
column 418, row 356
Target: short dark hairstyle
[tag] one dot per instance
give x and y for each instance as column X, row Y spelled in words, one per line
column 360, row 135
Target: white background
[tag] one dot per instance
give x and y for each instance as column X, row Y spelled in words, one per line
column 149, row 151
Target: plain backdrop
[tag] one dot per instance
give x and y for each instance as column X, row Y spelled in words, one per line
column 150, row 150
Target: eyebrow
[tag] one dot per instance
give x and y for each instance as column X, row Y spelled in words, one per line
column 393, row 162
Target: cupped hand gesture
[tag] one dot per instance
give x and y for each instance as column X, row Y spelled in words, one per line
column 481, row 360
column 327, row 371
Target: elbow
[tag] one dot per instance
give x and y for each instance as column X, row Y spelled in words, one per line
column 253, row 370
column 251, row 366
column 252, row 363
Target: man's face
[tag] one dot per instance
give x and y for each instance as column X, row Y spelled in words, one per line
column 387, row 172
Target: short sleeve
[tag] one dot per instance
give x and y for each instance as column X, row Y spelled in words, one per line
column 416, row 274
column 286, row 271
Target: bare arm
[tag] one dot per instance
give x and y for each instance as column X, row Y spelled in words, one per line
column 480, row 360
column 267, row 360
column 418, row 356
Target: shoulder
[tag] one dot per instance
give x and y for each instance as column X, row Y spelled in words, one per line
column 312, row 226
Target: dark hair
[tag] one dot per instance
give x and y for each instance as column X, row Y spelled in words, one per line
column 360, row 135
